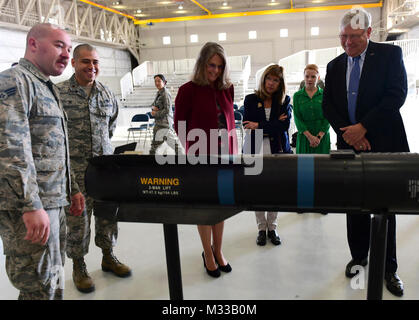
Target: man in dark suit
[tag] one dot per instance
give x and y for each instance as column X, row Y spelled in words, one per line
column 365, row 88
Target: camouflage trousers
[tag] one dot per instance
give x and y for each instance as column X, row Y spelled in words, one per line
column 36, row 270
column 162, row 134
column 78, row 229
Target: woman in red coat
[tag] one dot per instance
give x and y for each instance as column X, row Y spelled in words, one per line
column 206, row 103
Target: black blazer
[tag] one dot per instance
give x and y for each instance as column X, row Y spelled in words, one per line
column 382, row 92
column 276, row 130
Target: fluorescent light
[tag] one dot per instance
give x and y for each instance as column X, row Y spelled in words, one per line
column 283, row 33
column 222, row 36
column 166, row 40
column 315, row 31
column 253, row 35
column 194, row 38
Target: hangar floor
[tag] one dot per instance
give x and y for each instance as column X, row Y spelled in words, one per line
column 309, row 264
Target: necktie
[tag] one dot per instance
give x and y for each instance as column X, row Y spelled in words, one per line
column 353, row 89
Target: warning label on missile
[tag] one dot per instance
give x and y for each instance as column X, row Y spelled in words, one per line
column 160, row 181
column 158, row 186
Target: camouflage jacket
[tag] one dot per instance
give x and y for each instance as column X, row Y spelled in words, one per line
column 91, row 123
column 164, row 116
column 34, row 154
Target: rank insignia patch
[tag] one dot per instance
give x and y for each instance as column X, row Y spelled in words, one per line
column 7, row 93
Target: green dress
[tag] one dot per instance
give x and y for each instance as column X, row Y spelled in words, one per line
column 308, row 115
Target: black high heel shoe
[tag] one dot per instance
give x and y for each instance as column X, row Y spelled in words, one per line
column 226, row 268
column 213, row 273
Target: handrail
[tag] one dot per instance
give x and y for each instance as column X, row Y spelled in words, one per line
column 126, row 85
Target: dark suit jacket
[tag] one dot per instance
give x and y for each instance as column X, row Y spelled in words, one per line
column 276, row 130
column 382, row 92
column 197, row 106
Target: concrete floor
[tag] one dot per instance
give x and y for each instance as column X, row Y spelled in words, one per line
column 309, row 264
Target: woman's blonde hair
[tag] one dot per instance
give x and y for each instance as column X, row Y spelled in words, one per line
column 277, row 71
column 199, row 73
column 313, row 67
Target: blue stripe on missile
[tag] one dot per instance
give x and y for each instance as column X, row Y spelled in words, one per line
column 226, row 187
column 305, row 181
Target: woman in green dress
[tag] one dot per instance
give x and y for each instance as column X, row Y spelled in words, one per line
column 313, row 129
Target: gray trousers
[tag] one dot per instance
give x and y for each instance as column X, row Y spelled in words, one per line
column 36, row 270
column 266, row 222
column 78, row 230
column 270, row 220
column 162, row 134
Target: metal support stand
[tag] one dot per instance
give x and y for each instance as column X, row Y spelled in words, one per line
column 173, row 261
column 377, row 259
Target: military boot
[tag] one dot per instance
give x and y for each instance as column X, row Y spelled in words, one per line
column 81, row 278
column 112, row 264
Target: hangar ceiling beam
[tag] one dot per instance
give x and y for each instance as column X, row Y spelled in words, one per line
column 83, row 21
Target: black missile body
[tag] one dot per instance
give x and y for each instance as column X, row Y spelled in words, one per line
column 339, row 182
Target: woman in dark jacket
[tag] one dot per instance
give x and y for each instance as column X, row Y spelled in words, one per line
column 268, row 110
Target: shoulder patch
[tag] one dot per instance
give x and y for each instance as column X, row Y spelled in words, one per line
column 7, row 93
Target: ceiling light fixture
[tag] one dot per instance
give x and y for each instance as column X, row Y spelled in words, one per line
column 225, row 4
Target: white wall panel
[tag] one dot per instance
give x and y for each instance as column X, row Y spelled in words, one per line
column 268, row 47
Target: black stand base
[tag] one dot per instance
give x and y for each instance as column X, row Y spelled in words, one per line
column 378, row 247
column 173, row 261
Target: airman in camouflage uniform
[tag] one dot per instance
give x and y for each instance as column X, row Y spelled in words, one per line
column 35, row 166
column 92, row 110
column 163, row 117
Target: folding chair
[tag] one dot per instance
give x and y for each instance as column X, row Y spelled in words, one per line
column 136, row 126
column 150, row 116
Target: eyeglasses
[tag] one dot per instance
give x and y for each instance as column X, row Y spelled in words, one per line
column 214, row 66
column 351, row 37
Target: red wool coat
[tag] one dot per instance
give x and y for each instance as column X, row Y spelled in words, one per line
column 197, row 106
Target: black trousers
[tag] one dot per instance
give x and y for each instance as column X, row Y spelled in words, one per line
column 358, row 230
